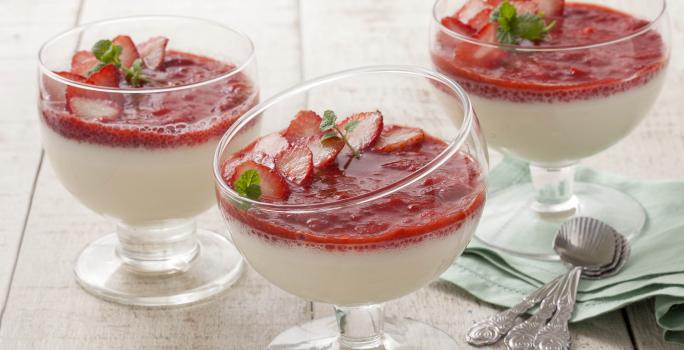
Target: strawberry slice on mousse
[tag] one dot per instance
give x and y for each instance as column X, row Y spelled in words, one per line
column 296, row 165
column 153, row 52
column 304, row 125
column 82, row 62
column 273, row 186
column 271, row 144
column 480, row 55
column 399, row 137
column 91, row 104
column 366, row 132
column 129, row 53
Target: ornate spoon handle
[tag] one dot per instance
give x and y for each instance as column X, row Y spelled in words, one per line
column 555, row 335
column 490, row 330
column 521, row 337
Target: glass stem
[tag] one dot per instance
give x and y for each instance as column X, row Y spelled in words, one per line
column 163, row 248
column 553, row 189
column 361, row 327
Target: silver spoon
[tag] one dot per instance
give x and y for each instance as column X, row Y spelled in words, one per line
column 583, row 243
column 490, row 330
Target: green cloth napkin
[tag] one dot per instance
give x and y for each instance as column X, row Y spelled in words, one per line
column 655, row 269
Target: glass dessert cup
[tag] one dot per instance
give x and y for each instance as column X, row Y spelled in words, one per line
column 361, row 266
column 535, row 105
column 144, row 170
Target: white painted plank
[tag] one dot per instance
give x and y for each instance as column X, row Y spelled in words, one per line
column 47, row 310
column 25, row 26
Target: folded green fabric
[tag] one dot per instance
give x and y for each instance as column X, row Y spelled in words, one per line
column 655, row 268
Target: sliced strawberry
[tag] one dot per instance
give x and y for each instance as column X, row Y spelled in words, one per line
column 551, row 7
column 474, row 55
column 129, row 52
column 493, row 3
column 271, row 144
column 304, row 125
column 153, row 51
column 480, row 20
column 399, row 137
column 296, row 165
column 525, row 6
column 259, row 158
column 456, row 25
column 92, row 108
column 471, row 9
column 82, row 62
column 54, row 90
column 107, row 76
column 324, row 152
column 366, row 132
column 273, row 186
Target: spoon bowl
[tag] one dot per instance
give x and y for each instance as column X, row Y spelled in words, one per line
column 587, row 242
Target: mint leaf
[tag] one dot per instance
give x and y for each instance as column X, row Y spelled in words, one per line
column 329, row 119
column 247, row 185
column 512, row 28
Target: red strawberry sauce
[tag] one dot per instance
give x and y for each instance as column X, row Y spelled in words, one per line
column 563, row 75
column 163, row 120
column 435, row 206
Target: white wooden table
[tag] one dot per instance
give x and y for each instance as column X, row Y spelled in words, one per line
column 42, row 228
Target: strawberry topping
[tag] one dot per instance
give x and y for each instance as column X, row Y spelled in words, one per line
column 271, row 144
column 296, row 165
column 82, row 62
column 129, row 53
column 304, row 125
column 324, row 152
column 399, row 137
column 94, row 108
column 366, row 132
column 153, row 51
column 273, row 186
column 551, row 7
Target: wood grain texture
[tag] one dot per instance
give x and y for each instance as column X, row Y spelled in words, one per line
column 47, row 310
column 645, row 330
column 25, row 27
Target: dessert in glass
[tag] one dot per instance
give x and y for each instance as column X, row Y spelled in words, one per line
column 131, row 112
column 553, row 82
column 355, row 189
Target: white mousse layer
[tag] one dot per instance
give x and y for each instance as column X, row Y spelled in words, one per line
column 350, row 277
column 134, row 185
column 563, row 132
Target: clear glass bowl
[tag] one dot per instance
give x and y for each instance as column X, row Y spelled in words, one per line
column 359, row 272
column 149, row 175
column 552, row 118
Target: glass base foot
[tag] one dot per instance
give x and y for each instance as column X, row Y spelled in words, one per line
column 401, row 334
column 101, row 272
column 509, row 223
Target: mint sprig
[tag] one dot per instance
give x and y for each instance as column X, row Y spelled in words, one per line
column 512, row 29
column 109, row 53
column 329, row 124
column 248, row 185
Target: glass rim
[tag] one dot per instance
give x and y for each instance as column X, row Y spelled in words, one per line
column 232, row 72
column 452, row 148
column 519, row 48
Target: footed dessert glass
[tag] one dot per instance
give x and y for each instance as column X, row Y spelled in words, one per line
column 383, row 248
column 147, row 166
column 553, row 104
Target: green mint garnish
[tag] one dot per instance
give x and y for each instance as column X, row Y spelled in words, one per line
column 108, row 53
column 513, row 28
column 247, row 185
column 329, row 124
